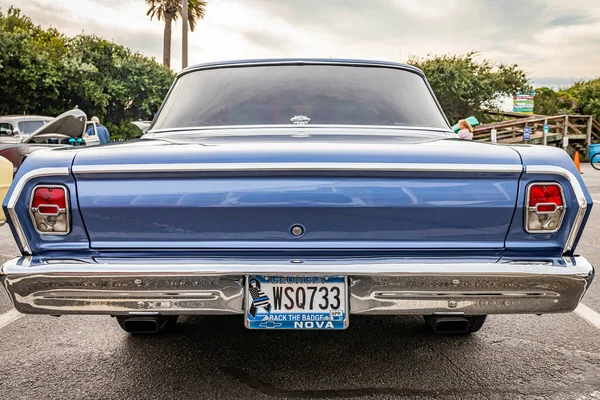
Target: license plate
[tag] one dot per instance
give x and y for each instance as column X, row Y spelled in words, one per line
column 296, row 302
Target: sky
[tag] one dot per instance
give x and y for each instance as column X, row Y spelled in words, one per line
column 555, row 41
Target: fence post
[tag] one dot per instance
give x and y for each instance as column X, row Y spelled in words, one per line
column 493, row 135
column 566, row 132
column 589, row 137
column 544, row 135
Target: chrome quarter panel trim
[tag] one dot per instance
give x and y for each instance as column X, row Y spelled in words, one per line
column 389, row 286
column 16, row 193
column 579, row 195
column 308, row 166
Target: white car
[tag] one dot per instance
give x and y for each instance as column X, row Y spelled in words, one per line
column 13, row 127
column 68, row 129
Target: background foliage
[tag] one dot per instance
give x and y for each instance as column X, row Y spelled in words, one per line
column 45, row 72
column 467, row 87
column 580, row 98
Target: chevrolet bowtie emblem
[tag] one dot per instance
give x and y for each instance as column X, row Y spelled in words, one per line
column 270, row 324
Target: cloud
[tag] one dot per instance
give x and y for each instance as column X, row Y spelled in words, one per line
column 570, row 19
column 552, row 38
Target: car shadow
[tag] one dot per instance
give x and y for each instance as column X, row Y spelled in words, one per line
column 386, row 356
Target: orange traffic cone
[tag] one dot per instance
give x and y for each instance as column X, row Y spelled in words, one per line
column 577, row 163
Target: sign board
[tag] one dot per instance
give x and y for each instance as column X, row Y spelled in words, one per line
column 527, row 133
column 523, row 103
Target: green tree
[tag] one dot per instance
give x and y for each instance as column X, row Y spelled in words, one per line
column 550, row 102
column 169, row 11
column 580, row 98
column 467, row 87
column 587, row 96
column 30, row 65
column 111, row 82
column 45, row 72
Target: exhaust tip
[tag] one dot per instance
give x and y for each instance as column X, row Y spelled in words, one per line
column 141, row 325
column 451, row 325
column 448, row 325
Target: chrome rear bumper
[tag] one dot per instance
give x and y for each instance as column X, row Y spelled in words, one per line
column 379, row 286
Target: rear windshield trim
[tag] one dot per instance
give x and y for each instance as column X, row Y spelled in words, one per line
column 303, row 128
column 241, row 64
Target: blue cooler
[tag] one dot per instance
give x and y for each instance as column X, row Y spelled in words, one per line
column 594, row 149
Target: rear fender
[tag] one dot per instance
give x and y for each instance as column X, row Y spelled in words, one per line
column 549, row 164
column 50, row 168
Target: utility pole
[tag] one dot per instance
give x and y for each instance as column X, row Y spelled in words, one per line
column 184, row 39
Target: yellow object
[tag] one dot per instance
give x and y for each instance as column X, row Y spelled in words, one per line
column 6, row 175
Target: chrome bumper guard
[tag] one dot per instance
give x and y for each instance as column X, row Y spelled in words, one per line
column 381, row 286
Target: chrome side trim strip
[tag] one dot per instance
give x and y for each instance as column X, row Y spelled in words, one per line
column 579, row 195
column 309, row 166
column 12, row 201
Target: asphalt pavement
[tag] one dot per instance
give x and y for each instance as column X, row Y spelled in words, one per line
column 512, row 357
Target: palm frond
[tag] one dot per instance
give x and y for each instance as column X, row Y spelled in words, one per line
column 196, row 11
column 160, row 8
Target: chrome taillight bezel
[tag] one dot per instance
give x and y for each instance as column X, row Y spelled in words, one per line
column 528, row 210
column 66, row 211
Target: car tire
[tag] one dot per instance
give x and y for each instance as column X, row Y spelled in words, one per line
column 165, row 324
column 474, row 324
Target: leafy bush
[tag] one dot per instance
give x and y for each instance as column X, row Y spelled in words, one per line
column 551, row 102
column 45, row 72
column 587, row 95
column 467, row 87
column 581, row 98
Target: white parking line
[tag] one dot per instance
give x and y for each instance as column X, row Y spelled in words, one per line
column 596, row 201
column 591, row 396
column 588, row 315
column 9, row 317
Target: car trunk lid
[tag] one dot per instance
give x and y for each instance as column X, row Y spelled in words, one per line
column 237, row 193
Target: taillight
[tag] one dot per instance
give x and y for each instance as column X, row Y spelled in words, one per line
column 49, row 209
column 545, row 207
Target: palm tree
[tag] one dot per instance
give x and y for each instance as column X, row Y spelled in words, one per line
column 169, row 11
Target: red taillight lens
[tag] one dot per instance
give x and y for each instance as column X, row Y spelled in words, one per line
column 545, row 207
column 547, row 195
column 49, row 198
column 50, row 209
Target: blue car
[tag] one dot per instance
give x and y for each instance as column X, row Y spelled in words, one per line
column 298, row 193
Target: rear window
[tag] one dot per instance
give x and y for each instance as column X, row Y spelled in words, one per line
column 28, row 127
column 292, row 94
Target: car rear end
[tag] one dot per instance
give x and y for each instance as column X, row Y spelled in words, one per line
column 299, row 227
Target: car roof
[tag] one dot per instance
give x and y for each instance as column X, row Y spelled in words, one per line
column 301, row 61
column 24, row 117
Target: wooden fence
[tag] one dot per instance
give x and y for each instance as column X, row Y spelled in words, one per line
column 581, row 131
